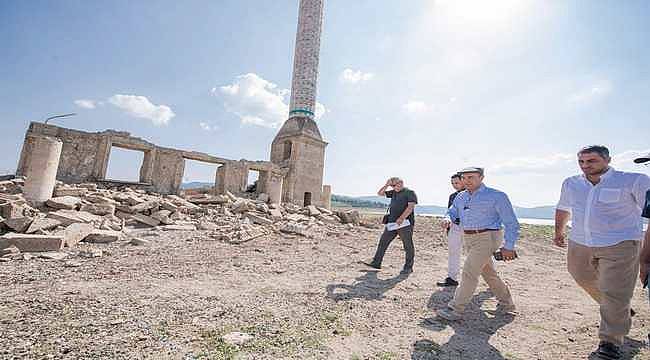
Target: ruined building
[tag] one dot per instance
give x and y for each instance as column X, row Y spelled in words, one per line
column 294, row 174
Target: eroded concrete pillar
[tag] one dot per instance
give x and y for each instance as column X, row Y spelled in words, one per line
column 42, row 167
column 274, row 189
column 327, row 196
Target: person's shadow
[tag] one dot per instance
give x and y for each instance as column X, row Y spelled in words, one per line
column 471, row 334
column 367, row 286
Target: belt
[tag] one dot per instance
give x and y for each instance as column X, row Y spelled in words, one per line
column 478, row 231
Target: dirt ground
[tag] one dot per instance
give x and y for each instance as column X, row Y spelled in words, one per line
column 299, row 298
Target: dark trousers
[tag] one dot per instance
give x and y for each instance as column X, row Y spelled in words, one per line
column 406, row 234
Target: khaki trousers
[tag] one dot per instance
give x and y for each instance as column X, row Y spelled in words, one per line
column 479, row 249
column 608, row 274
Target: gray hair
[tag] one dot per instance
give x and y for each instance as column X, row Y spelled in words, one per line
column 601, row 150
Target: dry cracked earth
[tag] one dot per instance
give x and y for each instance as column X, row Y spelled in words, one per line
column 299, row 298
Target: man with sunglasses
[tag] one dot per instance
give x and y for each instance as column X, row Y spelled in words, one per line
column 482, row 211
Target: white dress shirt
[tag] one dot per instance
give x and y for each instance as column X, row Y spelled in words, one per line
column 608, row 212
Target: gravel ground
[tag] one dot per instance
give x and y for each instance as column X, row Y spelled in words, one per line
column 299, row 298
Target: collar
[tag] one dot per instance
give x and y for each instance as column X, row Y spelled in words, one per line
column 607, row 174
column 480, row 188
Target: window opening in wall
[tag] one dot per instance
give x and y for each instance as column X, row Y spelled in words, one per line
column 252, row 181
column 287, row 150
column 199, row 177
column 307, row 200
column 124, row 164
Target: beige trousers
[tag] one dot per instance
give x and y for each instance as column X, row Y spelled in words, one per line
column 479, row 249
column 608, row 274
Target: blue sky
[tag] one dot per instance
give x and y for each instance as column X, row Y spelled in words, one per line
column 414, row 89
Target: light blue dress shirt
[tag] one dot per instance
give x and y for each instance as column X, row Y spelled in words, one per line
column 486, row 208
column 606, row 213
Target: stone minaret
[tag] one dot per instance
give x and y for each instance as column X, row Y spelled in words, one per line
column 298, row 146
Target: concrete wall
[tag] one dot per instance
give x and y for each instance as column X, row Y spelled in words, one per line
column 85, row 156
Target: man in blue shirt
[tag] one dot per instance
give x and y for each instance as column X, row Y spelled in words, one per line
column 482, row 212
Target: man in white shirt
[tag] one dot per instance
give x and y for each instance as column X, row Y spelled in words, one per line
column 604, row 206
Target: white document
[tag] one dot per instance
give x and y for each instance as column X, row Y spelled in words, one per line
column 394, row 226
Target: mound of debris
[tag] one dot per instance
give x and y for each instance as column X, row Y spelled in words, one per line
column 93, row 214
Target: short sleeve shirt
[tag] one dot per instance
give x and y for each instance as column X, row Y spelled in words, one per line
column 608, row 212
column 398, row 203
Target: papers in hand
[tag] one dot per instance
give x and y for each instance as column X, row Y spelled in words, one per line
column 392, row 226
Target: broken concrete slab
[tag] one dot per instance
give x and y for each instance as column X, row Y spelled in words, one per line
column 139, row 242
column 99, row 208
column 177, row 227
column 53, row 255
column 163, row 216
column 313, row 211
column 76, row 233
column 103, row 236
column 167, row 205
column 257, row 219
column 147, row 220
column 12, row 210
column 97, row 199
column 240, row 206
column 63, row 202
column 42, row 224
column 19, row 224
column 32, row 242
column 69, row 191
column 205, row 225
column 147, row 205
column 209, row 200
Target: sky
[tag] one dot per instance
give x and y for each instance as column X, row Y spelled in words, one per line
column 413, row 89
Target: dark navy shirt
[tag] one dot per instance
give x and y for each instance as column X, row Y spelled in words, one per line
column 398, row 203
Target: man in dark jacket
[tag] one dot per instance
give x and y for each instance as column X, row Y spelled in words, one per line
column 401, row 220
column 454, row 238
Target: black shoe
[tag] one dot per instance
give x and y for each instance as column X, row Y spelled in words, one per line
column 372, row 264
column 406, row 271
column 448, row 282
column 607, row 351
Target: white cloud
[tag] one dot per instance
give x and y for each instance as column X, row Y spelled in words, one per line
column 562, row 162
column 536, row 165
column 207, row 127
column 86, row 103
column 349, row 76
column 415, row 107
column 141, row 107
column 593, row 92
column 257, row 101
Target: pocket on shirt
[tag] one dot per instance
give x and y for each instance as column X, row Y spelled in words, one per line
column 608, row 196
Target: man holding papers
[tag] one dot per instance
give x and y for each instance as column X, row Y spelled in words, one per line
column 399, row 221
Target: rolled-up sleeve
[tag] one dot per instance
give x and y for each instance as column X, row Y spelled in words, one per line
column 509, row 220
column 564, row 203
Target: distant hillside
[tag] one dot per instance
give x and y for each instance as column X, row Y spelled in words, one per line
column 360, row 202
column 540, row 212
column 196, row 185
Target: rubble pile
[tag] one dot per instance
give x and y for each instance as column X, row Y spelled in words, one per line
column 91, row 214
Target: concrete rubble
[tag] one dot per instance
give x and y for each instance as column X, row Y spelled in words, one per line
column 99, row 214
